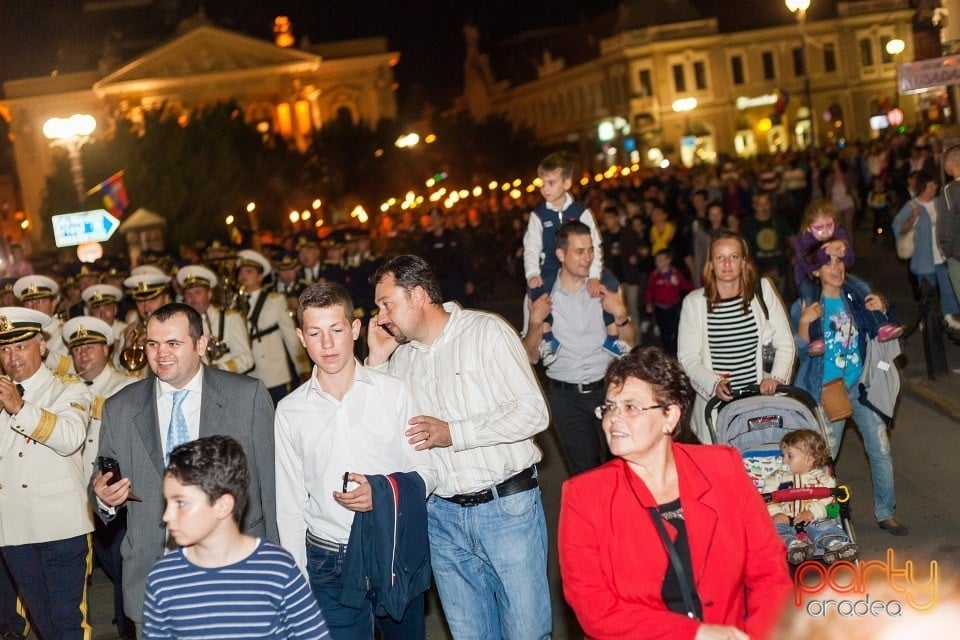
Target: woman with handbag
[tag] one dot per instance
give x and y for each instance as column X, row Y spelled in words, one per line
column 667, row 540
column 734, row 331
column 918, row 218
column 835, row 378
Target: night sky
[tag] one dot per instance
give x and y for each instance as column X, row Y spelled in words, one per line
column 37, row 36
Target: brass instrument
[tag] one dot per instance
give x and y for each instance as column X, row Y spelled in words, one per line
column 216, row 348
column 134, row 356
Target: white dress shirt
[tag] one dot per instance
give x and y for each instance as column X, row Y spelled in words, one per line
column 318, row 438
column 476, row 377
column 190, row 407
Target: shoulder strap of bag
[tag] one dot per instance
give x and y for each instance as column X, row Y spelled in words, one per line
column 686, row 588
column 758, row 294
column 690, row 601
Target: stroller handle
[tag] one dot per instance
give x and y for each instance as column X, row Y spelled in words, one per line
column 715, row 403
column 841, row 493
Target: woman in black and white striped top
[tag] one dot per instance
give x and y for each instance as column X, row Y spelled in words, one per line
column 724, row 325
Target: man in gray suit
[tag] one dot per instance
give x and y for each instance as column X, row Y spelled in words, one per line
column 143, row 422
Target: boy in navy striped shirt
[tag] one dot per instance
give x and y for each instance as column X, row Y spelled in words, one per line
column 222, row 583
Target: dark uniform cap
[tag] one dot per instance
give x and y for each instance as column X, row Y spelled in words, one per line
column 19, row 323
column 285, row 260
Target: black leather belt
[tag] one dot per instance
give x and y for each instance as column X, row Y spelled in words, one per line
column 579, row 387
column 523, row 481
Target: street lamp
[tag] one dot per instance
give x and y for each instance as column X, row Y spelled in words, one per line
column 687, row 150
column 799, row 8
column 71, row 134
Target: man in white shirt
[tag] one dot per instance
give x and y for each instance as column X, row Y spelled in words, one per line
column 481, row 406
column 345, row 419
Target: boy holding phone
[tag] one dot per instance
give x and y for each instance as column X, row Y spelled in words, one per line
column 344, row 422
column 222, row 579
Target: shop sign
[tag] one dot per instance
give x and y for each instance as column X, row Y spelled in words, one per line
column 743, row 102
column 915, row 77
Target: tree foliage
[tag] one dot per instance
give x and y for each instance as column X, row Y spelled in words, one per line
column 197, row 172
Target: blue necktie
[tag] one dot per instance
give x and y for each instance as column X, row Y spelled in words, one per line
column 177, row 433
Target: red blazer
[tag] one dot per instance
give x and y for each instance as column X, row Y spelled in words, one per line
column 613, row 562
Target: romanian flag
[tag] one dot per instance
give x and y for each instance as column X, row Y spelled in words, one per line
column 114, row 194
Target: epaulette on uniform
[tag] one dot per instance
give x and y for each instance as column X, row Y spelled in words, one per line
column 66, row 377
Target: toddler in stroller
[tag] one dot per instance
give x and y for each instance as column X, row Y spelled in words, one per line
column 805, row 525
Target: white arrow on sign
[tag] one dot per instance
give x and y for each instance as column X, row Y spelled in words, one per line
column 71, row 229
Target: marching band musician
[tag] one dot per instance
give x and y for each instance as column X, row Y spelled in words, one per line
column 103, row 302
column 287, row 267
column 42, row 294
column 89, row 340
column 43, row 504
column 272, row 331
column 227, row 329
column 149, row 288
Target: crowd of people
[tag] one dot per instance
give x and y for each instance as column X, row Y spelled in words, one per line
column 275, row 407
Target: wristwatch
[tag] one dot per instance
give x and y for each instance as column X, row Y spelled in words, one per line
column 624, row 323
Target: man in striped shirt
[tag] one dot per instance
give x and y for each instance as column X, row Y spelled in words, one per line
column 222, row 583
column 481, row 408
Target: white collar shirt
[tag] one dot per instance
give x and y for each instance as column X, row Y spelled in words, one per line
column 477, row 378
column 190, row 407
column 319, row 438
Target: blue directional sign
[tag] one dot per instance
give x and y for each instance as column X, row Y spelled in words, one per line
column 71, row 229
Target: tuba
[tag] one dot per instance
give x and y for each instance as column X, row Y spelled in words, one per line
column 134, row 357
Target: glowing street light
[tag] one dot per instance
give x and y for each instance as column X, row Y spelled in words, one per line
column 406, row 141
column 799, row 8
column 71, row 133
column 895, row 47
column 229, row 220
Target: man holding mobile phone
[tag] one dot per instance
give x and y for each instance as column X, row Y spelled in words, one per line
column 44, row 510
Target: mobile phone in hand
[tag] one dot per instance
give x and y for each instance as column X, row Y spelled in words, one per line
column 109, row 465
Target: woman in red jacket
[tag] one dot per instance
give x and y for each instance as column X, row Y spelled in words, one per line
column 617, row 571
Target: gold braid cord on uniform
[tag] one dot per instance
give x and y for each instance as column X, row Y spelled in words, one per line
column 45, row 427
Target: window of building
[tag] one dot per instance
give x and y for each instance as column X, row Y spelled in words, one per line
column 829, row 57
column 736, row 69
column 700, row 75
column 799, row 64
column 766, row 58
column 679, row 79
column 866, row 52
column 646, row 83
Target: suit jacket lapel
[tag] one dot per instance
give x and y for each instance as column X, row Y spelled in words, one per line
column 147, row 425
column 212, row 403
column 695, row 484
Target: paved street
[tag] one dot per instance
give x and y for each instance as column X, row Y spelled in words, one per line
column 925, row 440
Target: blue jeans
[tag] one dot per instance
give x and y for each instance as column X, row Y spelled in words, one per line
column 877, row 445
column 490, row 565
column 324, row 568
column 820, row 533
